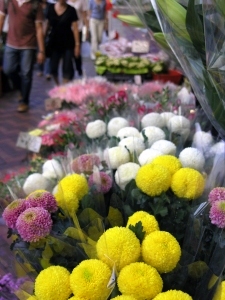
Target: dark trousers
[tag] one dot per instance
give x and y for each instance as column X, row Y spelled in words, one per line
column 67, row 63
column 78, row 60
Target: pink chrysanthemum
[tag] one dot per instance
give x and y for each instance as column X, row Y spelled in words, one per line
column 217, row 213
column 102, row 181
column 33, row 224
column 12, row 212
column 42, row 198
column 216, row 194
column 85, row 163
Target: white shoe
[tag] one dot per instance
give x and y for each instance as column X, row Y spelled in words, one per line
column 93, row 57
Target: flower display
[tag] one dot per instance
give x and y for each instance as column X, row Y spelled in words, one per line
column 166, row 116
column 179, row 125
column 116, row 156
column 216, row 194
column 192, row 158
column 102, row 180
column 152, row 134
column 148, row 221
column 164, row 146
column 147, row 156
column 12, row 212
column 35, row 182
column 85, row 163
column 133, row 144
column 169, row 162
column 96, row 129
column 153, row 179
column 119, row 246
column 33, row 224
column 161, row 251
column 217, row 213
column 188, row 183
column 52, row 283
column 128, row 132
column 173, row 295
column 140, row 281
column 115, row 124
column 42, row 198
column 52, row 169
column 152, row 119
column 125, row 173
column 89, row 280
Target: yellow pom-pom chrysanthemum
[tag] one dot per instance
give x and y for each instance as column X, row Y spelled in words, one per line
column 140, row 281
column 118, row 245
column 173, row 295
column 170, row 162
column 53, row 283
column 124, row 297
column 70, row 191
column 161, row 250
column 153, row 179
column 148, row 221
column 89, row 280
column 220, row 292
column 188, row 183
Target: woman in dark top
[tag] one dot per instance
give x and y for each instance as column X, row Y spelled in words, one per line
column 62, row 19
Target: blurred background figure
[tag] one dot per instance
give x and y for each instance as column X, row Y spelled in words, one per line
column 81, row 7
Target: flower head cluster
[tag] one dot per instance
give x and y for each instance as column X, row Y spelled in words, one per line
column 147, row 156
column 128, row 132
column 96, row 129
column 166, row 116
column 152, row 134
column 216, row 194
column 101, row 180
column 125, row 173
column 203, row 141
column 115, row 124
column 148, row 221
column 179, row 125
column 140, row 281
column 53, row 283
column 169, row 162
column 173, row 295
column 89, row 280
column 35, row 182
column 85, row 163
column 12, row 212
column 220, row 292
column 152, row 119
column 33, row 224
column 161, row 250
column 52, row 169
column 116, row 156
column 192, row 158
column 164, row 146
column 42, row 198
column 133, row 144
column 124, row 297
column 217, row 213
column 118, row 245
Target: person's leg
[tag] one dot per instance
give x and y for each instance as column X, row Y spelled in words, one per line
column 54, row 65
column 47, row 68
column 11, row 63
column 94, row 37
column 100, row 29
column 78, row 60
column 67, row 65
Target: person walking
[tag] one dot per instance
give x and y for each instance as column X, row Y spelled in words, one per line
column 98, row 18
column 25, row 32
column 64, row 39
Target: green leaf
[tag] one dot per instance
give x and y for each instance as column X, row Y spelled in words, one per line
column 138, row 230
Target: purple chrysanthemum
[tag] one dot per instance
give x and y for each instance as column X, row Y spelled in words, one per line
column 216, row 194
column 85, row 163
column 102, row 180
column 42, row 198
column 217, row 213
column 34, row 223
column 12, row 212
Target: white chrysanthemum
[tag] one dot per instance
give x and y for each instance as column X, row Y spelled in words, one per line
column 166, row 116
column 127, row 132
column 133, row 144
column 95, row 129
column 35, row 182
column 153, row 134
column 164, row 146
column 52, row 169
column 147, row 156
column 217, row 149
column 203, row 141
column 152, row 119
column 116, row 156
column 186, row 97
column 125, row 173
column 115, row 124
column 192, row 158
column 180, row 125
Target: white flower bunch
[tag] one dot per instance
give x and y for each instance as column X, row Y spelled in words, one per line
column 180, row 125
column 164, row 146
column 115, row 124
column 147, row 156
column 186, row 97
column 217, row 149
column 127, row 132
column 203, row 141
column 152, row 119
column 166, row 116
column 153, row 134
column 95, row 129
column 116, row 156
column 36, row 181
column 125, row 173
column 133, row 144
column 52, row 169
column 192, row 158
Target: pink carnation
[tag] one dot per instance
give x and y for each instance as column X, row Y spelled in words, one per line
column 12, row 212
column 217, row 213
column 102, row 180
column 42, row 199
column 85, row 163
column 216, row 194
column 33, row 224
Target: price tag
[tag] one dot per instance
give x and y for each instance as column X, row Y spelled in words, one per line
column 137, row 79
column 140, row 46
column 22, row 140
column 29, row 142
column 52, row 103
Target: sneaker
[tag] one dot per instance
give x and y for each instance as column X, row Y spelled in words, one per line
column 48, row 77
column 22, row 108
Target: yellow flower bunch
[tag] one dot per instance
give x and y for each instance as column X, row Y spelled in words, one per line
column 119, row 246
column 140, row 281
column 220, row 292
column 70, row 191
column 124, row 297
column 53, row 283
column 153, row 179
column 161, row 250
column 173, row 295
column 170, row 162
column 148, row 221
column 89, row 280
column 188, row 183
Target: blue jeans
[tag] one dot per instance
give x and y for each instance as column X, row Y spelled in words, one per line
column 45, row 67
column 67, row 64
column 18, row 65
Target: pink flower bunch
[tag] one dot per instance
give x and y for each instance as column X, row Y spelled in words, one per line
column 12, row 212
column 42, row 198
column 53, row 138
column 149, row 88
column 85, row 163
column 101, row 180
column 216, row 199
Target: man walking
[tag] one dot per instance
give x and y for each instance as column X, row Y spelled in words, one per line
column 24, row 35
